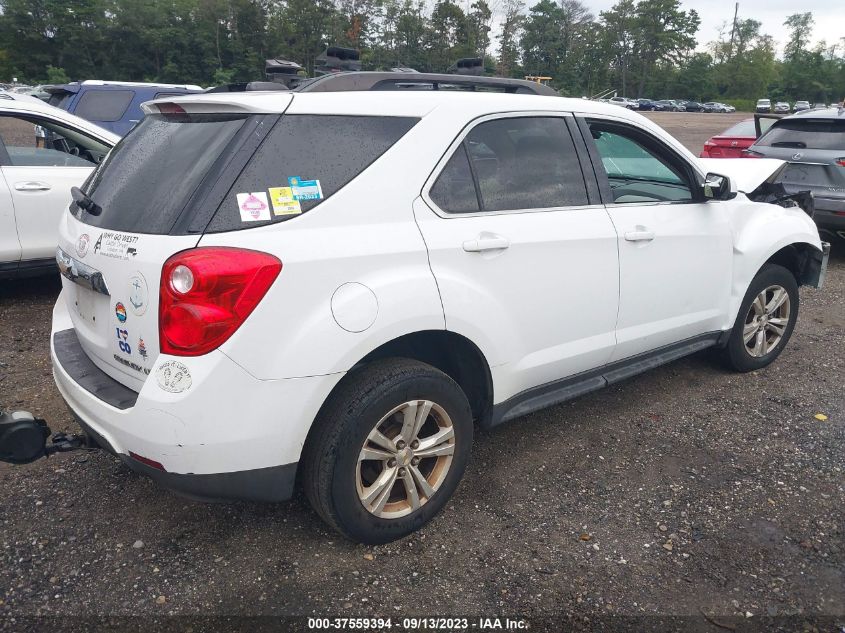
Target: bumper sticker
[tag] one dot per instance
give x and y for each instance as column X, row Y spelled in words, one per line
column 116, row 245
column 305, row 189
column 138, row 294
column 283, row 202
column 120, row 312
column 173, row 376
column 82, row 244
column 253, row 206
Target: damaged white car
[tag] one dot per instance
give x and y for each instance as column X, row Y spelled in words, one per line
column 330, row 290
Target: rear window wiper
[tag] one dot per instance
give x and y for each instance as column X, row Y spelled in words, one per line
column 84, row 201
column 795, row 144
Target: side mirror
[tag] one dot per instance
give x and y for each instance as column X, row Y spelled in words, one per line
column 717, row 187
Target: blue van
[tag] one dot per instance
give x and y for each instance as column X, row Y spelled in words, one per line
column 114, row 105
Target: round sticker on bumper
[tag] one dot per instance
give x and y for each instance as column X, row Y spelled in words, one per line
column 173, row 376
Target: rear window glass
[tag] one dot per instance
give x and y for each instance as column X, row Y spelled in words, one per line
column 304, row 160
column 104, row 105
column 60, row 99
column 148, row 177
column 743, row 128
column 827, row 134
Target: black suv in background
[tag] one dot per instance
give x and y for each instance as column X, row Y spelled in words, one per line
column 813, row 144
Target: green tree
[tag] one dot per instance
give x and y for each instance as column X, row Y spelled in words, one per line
column 509, row 39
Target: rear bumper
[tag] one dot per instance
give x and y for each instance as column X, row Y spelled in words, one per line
column 275, row 483
column 228, row 436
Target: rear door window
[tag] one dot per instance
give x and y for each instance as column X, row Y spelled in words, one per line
column 825, row 134
column 104, row 105
column 149, row 176
column 521, row 163
column 304, row 160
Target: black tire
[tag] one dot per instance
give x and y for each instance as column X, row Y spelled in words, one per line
column 736, row 354
column 330, row 456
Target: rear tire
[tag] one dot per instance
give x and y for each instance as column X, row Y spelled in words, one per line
column 387, row 450
column 765, row 320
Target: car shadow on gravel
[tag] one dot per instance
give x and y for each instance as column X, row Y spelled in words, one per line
column 30, row 288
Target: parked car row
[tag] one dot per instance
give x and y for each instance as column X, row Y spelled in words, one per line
column 783, row 107
column 669, row 105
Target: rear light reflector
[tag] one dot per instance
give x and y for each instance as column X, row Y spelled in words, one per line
column 207, row 293
column 147, row 461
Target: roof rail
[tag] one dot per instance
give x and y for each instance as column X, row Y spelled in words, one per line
column 365, row 80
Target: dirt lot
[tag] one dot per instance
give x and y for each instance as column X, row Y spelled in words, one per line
column 699, row 493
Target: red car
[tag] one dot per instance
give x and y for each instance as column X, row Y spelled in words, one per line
column 732, row 142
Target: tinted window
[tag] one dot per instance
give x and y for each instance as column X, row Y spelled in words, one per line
column 525, row 163
column 103, row 105
column 331, row 150
column 743, row 128
column 636, row 171
column 826, row 134
column 37, row 142
column 454, row 190
column 145, row 181
column 60, row 99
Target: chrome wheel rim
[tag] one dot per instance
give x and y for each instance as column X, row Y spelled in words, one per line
column 766, row 321
column 405, row 459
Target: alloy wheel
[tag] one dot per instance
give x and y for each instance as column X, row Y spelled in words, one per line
column 405, row 459
column 766, row 321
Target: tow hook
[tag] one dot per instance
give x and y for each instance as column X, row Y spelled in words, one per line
column 23, row 439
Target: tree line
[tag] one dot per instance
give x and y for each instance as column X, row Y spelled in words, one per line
column 637, row 48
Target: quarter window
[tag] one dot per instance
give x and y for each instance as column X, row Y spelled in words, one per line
column 637, row 172
column 104, row 105
column 454, row 190
column 515, row 163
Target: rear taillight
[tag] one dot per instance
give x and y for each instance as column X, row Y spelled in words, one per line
column 840, row 162
column 207, row 293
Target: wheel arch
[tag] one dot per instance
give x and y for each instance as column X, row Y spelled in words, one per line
column 802, row 259
column 454, row 355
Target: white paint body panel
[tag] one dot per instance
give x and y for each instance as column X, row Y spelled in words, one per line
column 676, row 285
column 746, row 173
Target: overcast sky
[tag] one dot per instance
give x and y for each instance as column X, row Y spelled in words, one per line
column 829, row 16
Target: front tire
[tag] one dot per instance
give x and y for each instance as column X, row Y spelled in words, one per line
column 388, row 450
column 765, row 321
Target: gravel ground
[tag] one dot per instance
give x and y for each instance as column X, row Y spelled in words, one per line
column 688, row 491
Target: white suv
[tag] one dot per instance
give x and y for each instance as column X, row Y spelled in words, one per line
column 331, row 289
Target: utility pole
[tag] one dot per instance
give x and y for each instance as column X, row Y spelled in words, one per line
column 733, row 33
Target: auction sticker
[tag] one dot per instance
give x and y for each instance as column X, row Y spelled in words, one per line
column 283, row 203
column 253, row 206
column 117, row 245
column 173, row 376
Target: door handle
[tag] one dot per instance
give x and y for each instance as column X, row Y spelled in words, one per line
column 481, row 244
column 639, row 236
column 32, row 186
